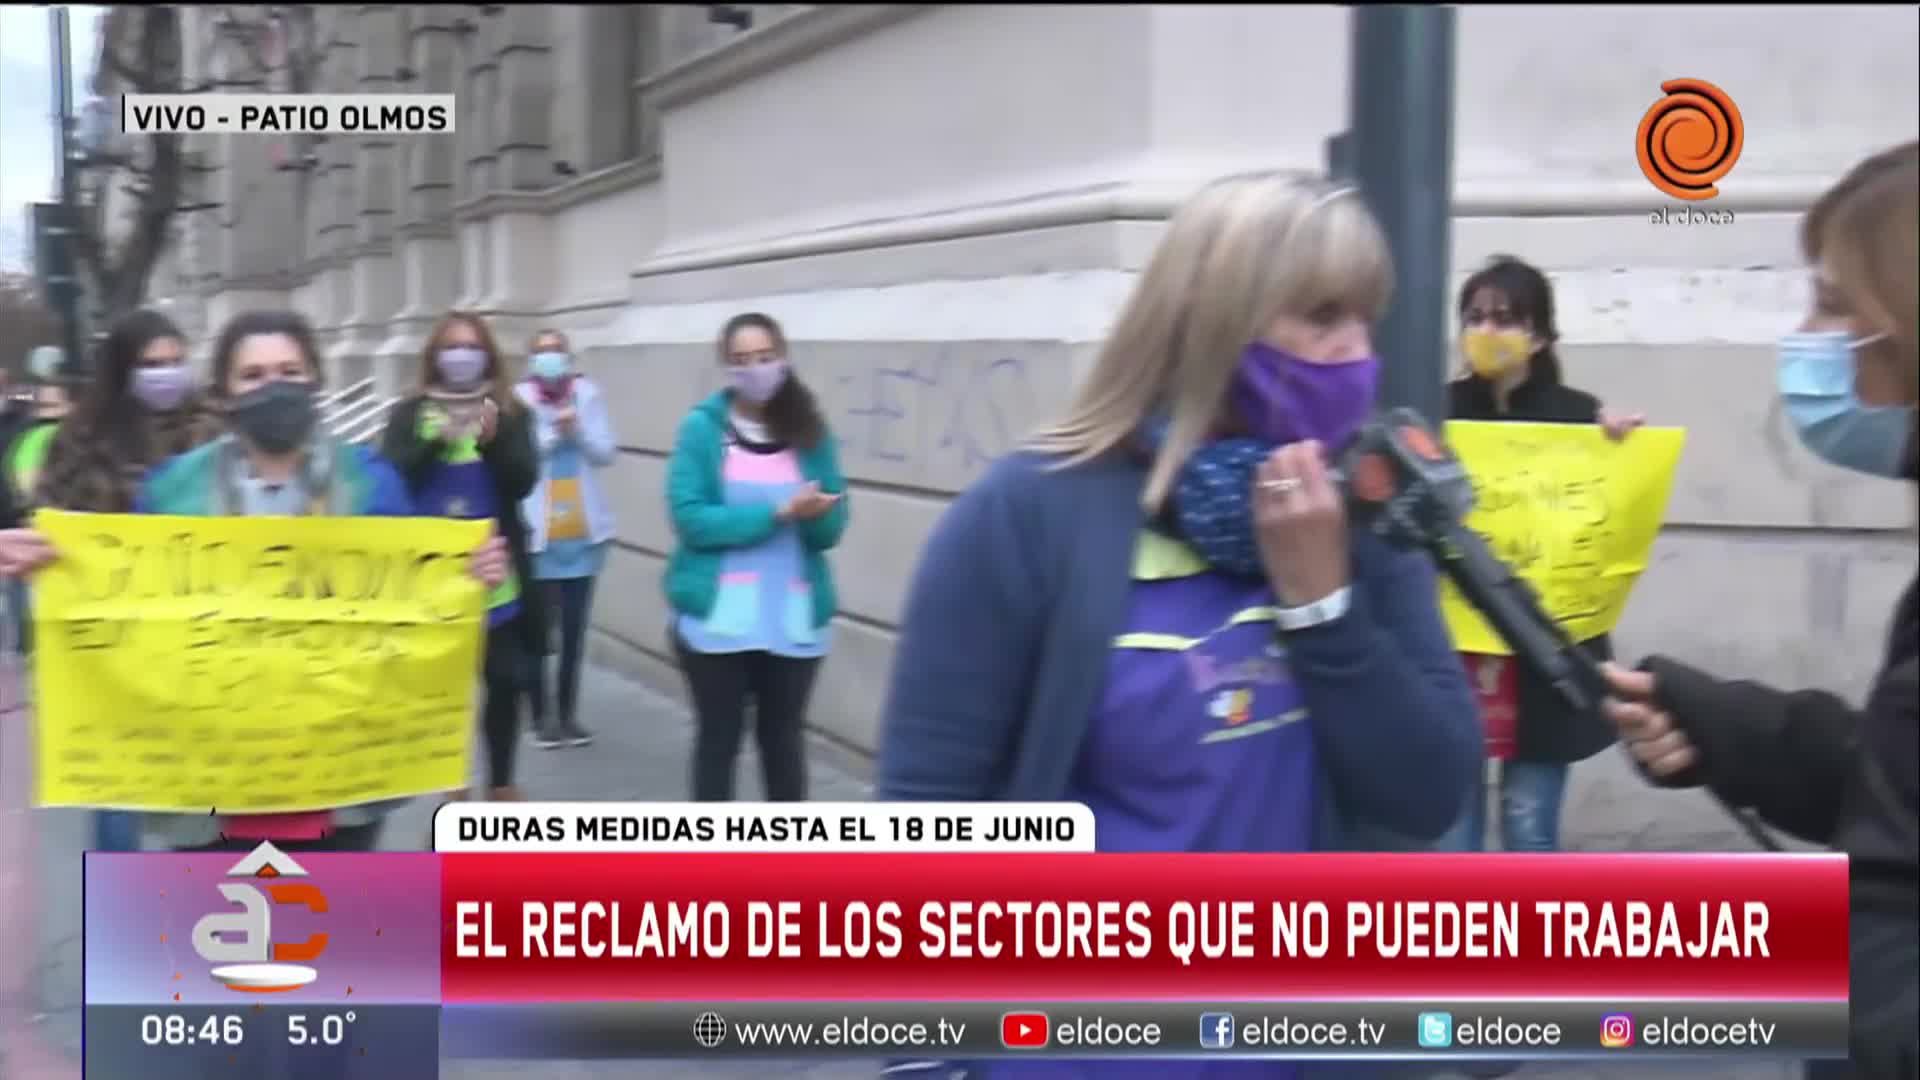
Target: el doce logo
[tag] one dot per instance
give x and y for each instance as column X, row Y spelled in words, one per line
column 1691, row 139
column 242, row 942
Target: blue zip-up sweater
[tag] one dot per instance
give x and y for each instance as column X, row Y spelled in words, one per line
column 1013, row 610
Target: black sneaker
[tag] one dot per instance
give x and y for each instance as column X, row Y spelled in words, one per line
column 547, row 739
column 574, row 734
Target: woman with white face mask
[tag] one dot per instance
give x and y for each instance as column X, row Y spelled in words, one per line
column 463, row 442
column 143, row 407
column 1809, row 762
column 756, row 499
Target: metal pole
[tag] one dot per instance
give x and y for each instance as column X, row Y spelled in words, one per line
column 70, row 304
column 1399, row 150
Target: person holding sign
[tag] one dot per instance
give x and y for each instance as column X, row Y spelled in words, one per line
column 141, row 409
column 569, row 522
column 1809, row 762
column 274, row 460
column 757, row 500
column 1508, row 336
column 464, row 444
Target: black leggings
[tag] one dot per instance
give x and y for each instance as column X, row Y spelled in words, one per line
column 568, row 602
column 504, row 675
column 721, row 685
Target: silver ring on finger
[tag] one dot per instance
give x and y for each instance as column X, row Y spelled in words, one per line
column 1285, row 485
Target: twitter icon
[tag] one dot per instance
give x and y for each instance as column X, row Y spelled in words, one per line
column 1436, row 1030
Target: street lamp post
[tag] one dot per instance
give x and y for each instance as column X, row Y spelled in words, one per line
column 1399, row 150
column 66, row 301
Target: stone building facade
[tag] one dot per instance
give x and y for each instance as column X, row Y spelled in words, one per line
column 946, row 203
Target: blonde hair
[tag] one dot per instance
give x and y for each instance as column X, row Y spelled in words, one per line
column 533, row 343
column 1865, row 233
column 499, row 376
column 1242, row 252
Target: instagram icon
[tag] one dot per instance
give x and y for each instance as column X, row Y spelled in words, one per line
column 1616, row 1031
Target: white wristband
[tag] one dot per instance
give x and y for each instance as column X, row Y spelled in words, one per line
column 1324, row 610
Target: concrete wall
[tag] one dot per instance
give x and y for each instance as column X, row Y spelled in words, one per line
column 947, row 203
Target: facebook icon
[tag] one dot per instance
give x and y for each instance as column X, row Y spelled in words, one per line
column 1216, row 1031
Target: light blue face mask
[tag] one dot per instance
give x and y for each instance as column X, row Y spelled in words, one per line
column 551, row 366
column 1816, row 387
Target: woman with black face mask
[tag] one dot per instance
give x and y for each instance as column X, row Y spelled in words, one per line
column 275, row 461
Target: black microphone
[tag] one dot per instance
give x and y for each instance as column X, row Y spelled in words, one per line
column 1401, row 482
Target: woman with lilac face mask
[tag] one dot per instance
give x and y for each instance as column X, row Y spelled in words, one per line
column 142, row 408
column 463, row 441
column 756, row 499
column 1066, row 638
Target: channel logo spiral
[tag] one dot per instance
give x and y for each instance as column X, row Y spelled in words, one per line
column 1691, row 139
column 709, row 1030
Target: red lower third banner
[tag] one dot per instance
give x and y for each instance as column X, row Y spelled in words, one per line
column 889, row 927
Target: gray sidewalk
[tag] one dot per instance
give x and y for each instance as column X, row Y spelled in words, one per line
column 641, row 753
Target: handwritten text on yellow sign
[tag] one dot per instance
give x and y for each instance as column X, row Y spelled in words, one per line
column 253, row 665
column 1573, row 512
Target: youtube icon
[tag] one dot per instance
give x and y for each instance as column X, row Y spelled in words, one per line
column 1023, row 1031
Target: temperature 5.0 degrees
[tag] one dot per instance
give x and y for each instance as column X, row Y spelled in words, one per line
column 330, row 1031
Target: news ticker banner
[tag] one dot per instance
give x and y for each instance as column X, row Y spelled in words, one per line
column 609, row 930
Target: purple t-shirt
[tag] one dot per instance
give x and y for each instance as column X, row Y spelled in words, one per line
column 1200, row 744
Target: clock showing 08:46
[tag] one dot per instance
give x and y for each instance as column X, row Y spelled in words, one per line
column 176, row 1030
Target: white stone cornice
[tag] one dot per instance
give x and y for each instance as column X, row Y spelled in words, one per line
column 600, row 182
column 1157, row 199
column 779, row 43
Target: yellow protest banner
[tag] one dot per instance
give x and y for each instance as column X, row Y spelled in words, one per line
column 1573, row 512
column 253, row 665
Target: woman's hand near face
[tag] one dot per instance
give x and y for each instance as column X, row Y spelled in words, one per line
column 1300, row 523
column 1619, row 425
column 489, row 421
column 23, row 551
column 490, row 562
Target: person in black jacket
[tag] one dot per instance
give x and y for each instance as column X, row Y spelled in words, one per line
column 1809, row 762
column 1507, row 336
column 464, row 442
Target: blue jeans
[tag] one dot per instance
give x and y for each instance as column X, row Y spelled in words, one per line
column 116, row 830
column 1530, row 796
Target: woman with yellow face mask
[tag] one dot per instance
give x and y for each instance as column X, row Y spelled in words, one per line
column 1507, row 339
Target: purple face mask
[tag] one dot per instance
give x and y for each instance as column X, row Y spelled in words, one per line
column 162, row 389
column 759, row 382
column 462, row 366
column 1285, row 399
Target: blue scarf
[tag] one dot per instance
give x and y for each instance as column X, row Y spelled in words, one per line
column 1212, row 502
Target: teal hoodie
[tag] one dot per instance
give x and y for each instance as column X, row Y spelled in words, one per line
column 707, row 527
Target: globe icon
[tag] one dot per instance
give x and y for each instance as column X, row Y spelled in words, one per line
column 709, row 1030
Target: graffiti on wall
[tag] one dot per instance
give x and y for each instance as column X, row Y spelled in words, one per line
column 934, row 411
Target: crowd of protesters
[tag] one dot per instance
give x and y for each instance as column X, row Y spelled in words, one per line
column 1157, row 607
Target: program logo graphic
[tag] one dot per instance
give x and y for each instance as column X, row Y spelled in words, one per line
column 1216, row 1031
column 1435, row 1030
column 1616, row 1031
column 241, row 944
column 1690, row 139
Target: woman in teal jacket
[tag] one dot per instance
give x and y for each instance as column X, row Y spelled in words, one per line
column 756, row 498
